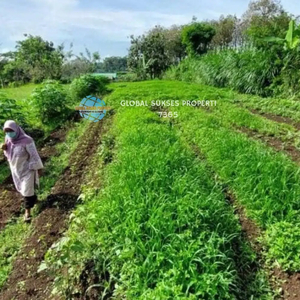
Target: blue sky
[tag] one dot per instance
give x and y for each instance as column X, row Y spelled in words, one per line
column 105, row 25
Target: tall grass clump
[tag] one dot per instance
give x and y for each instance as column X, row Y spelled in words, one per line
column 247, row 71
column 159, row 229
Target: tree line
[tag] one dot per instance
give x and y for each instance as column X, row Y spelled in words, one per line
column 36, row 60
column 152, row 53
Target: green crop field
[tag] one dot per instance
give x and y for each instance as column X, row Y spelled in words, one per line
column 165, row 196
column 176, row 179
column 161, row 224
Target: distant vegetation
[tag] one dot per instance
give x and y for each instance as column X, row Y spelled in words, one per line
column 251, row 54
column 36, row 60
column 49, row 104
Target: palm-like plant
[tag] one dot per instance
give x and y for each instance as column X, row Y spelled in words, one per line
column 292, row 39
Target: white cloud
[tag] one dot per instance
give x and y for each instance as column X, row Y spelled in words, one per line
column 96, row 22
column 62, row 19
column 56, row 4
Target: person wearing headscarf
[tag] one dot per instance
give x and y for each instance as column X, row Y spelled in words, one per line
column 25, row 163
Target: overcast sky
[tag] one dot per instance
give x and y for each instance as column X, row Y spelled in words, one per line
column 104, row 25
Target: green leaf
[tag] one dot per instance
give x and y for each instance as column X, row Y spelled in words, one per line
column 43, row 266
column 273, row 39
column 290, row 34
column 295, row 42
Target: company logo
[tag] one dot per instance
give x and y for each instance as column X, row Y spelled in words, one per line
column 92, row 108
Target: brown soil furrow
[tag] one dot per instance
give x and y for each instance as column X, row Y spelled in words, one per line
column 276, row 118
column 10, row 199
column 10, row 204
column 286, row 147
column 25, row 282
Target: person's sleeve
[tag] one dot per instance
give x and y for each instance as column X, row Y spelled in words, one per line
column 35, row 162
column 5, row 151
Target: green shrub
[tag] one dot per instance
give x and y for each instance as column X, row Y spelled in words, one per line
column 50, row 102
column 283, row 243
column 9, row 110
column 88, row 85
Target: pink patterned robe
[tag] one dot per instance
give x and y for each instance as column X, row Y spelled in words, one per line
column 24, row 163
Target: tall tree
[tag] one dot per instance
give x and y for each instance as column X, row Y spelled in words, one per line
column 39, row 58
column 197, row 36
column 174, row 46
column 154, row 53
column 225, row 32
column 113, row 64
column 136, row 61
column 265, row 18
column 11, row 70
column 148, row 55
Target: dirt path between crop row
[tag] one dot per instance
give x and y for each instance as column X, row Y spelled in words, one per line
column 278, row 145
column 25, row 282
column 289, row 283
column 10, row 199
column 276, row 118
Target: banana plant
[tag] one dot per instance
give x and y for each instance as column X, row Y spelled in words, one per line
column 292, row 39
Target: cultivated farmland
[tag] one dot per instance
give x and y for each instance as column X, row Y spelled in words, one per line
column 200, row 206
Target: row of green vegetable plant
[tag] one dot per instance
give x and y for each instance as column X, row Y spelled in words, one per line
column 265, row 182
column 160, row 227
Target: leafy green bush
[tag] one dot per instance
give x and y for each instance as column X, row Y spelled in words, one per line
column 88, row 85
column 283, row 243
column 50, row 102
column 9, row 110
